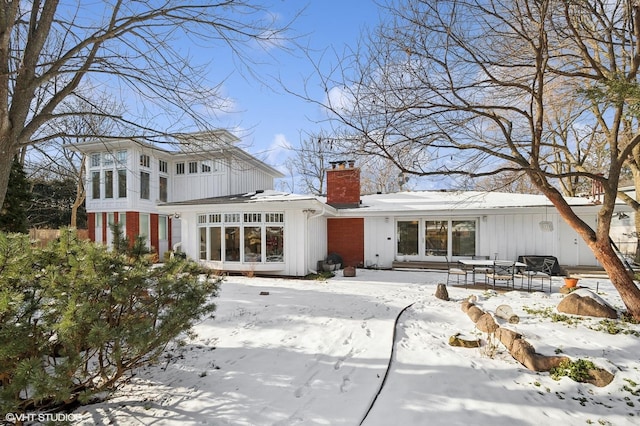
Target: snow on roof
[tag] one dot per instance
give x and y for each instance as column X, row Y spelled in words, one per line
column 267, row 195
column 457, row 200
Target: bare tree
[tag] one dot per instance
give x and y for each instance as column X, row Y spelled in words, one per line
column 462, row 89
column 54, row 160
column 48, row 49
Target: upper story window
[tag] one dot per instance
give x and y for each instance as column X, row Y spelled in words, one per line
column 121, row 158
column 193, row 167
column 179, row 168
column 96, row 160
column 163, row 167
column 144, row 185
column 107, row 160
column 206, row 166
column 145, row 160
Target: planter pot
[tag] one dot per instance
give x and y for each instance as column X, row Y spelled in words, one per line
column 349, row 271
column 570, row 282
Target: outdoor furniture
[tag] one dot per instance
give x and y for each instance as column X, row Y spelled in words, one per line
column 481, row 269
column 455, row 271
column 542, row 272
column 503, row 271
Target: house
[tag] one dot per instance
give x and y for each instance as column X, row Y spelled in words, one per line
column 126, row 180
column 288, row 234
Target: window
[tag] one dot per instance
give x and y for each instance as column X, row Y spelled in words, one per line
column 95, row 185
column 274, row 217
column 232, row 244
column 436, row 237
column 407, row 237
column 144, row 185
column 241, row 237
column 252, row 244
column 463, row 237
column 108, row 184
column 163, row 188
column 252, row 217
column 215, row 248
column 179, row 168
column 193, row 167
column 203, row 243
column 232, row 217
column 145, row 161
column 122, row 184
column 108, row 159
column 275, row 243
column 95, row 160
column 144, row 226
column 121, row 158
column 163, row 166
column 163, row 226
column 205, row 166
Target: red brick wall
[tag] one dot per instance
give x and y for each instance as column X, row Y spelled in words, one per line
column 91, row 226
column 105, row 227
column 133, row 226
column 153, row 223
column 343, row 187
column 346, row 238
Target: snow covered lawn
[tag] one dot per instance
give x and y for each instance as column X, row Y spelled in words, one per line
column 316, row 353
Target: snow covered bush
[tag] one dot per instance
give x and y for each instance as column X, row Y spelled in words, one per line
column 75, row 317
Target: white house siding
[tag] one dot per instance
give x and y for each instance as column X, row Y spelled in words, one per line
column 505, row 233
column 304, row 237
column 379, row 241
column 316, row 242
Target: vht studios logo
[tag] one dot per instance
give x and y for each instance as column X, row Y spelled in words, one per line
column 41, row 417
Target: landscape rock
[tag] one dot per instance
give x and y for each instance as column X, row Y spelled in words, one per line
column 506, row 312
column 463, row 342
column 584, row 302
column 441, row 292
column 486, row 324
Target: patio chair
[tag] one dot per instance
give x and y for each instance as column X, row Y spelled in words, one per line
column 503, row 271
column 454, row 270
column 484, row 270
column 541, row 272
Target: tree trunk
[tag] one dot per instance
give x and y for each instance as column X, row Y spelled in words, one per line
column 6, row 160
column 620, row 276
column 81, row 194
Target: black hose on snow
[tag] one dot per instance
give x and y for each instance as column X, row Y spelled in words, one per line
column 393, row 350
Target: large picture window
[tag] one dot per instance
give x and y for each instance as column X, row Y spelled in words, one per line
column 247, row 237
column 427, row 238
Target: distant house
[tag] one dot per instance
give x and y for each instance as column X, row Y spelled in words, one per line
column 127, row 179
column 288, row 234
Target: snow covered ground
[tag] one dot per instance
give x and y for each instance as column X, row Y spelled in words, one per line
column 316, row 353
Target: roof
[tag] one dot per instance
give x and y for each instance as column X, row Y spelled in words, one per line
column 455, row 200
column 217, row 142
column 250, row 197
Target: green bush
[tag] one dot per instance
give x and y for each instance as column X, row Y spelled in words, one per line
column 75, row 317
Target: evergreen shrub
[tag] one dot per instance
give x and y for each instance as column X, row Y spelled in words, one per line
column 76, row 316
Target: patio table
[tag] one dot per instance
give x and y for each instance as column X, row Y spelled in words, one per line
column 472, row 264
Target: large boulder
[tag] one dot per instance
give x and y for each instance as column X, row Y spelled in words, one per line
column 584, row 302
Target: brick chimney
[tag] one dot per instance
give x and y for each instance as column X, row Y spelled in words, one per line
column 343, row 184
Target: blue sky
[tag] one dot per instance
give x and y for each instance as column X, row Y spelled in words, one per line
column 267, row 118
